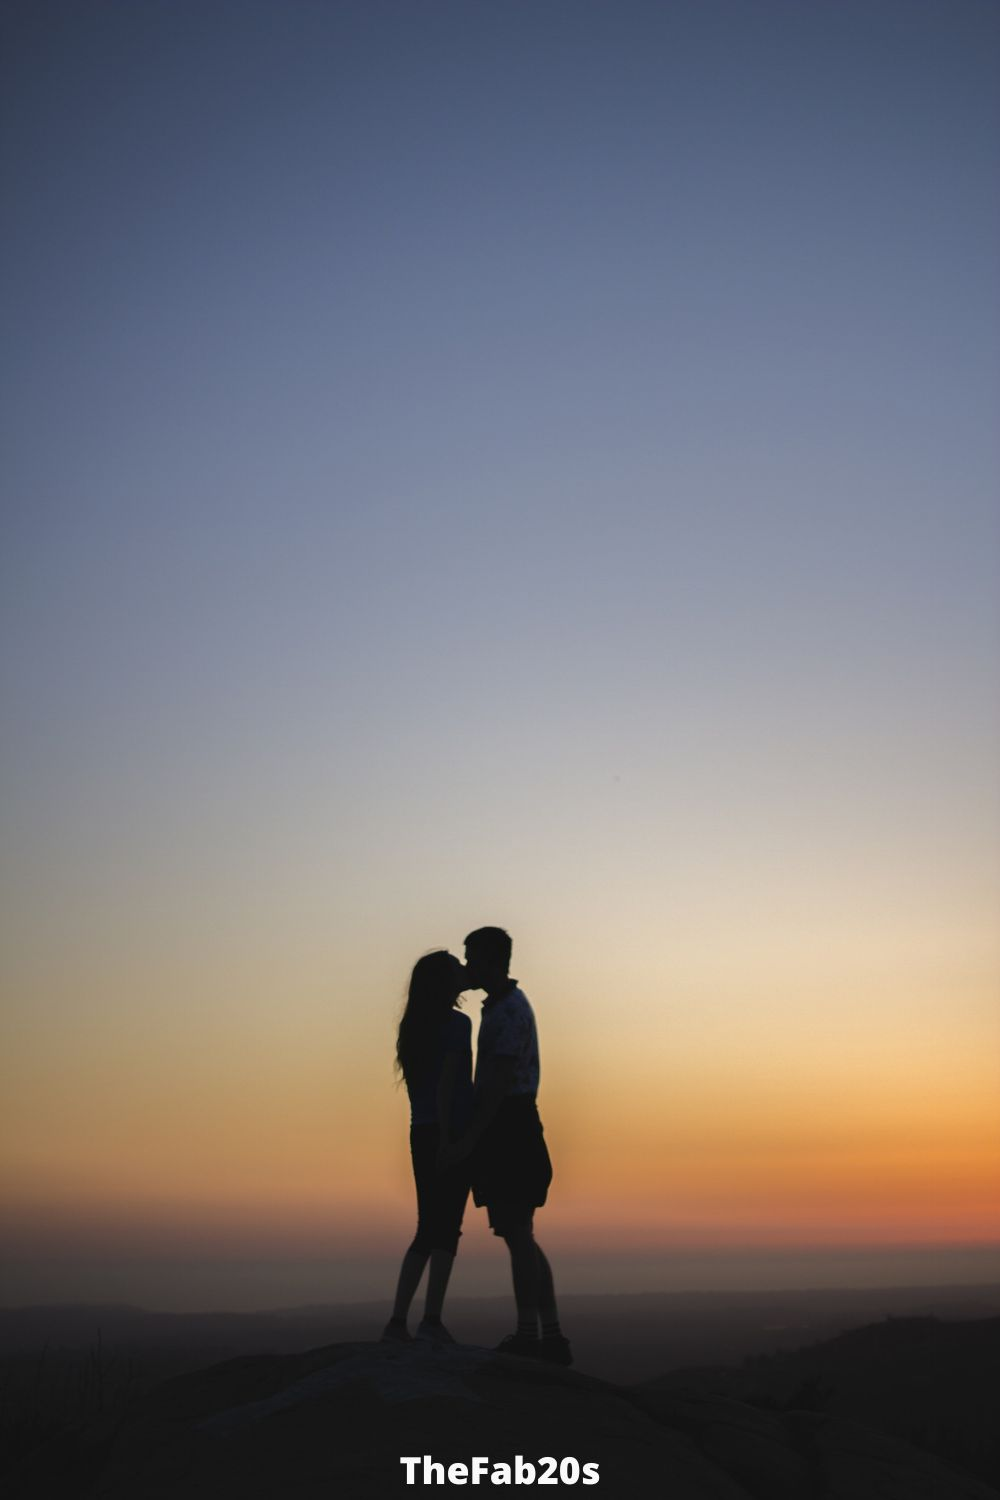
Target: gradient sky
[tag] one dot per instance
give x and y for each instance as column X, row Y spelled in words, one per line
column 527, row 462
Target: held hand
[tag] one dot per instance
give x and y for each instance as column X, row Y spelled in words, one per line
column 451, row 1153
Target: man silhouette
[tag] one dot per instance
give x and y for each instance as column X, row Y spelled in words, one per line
column 511, row 1170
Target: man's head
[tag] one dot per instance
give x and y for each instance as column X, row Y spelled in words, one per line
column 487, row 958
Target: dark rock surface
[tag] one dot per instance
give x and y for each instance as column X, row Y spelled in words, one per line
column 930, row 1383
column 334, row 1422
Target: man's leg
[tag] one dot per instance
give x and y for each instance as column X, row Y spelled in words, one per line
column 534, row 1289
column 553, row 1346
column 547, row 1310
column 534, row 1293
column 525, row 1270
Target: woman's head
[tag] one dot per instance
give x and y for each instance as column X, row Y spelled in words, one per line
column 438, row 976
column 435, row 985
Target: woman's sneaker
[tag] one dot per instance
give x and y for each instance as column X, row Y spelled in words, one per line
column 396, row 1332
column 554, row 1347
column 527, row 1345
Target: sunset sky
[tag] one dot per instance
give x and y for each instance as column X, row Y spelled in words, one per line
column 530, row 463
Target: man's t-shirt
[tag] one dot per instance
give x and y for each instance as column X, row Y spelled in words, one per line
column 507, row 1029
column 456, row 1036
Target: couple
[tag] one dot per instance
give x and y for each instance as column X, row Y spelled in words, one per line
column 486, row 1135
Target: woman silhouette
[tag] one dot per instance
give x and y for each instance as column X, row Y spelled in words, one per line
column 434, row 1056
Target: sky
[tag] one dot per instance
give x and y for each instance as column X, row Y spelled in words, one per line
column 528, row 463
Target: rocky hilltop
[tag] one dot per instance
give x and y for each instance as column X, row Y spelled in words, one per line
column 333, row 1423
column 931, row 1383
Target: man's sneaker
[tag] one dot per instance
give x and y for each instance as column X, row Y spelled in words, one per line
column 396, row 1332
column 554, row 1348
column 434, row 1333
column 527, row 1345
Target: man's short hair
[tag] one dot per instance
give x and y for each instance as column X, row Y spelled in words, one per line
column 491, row 943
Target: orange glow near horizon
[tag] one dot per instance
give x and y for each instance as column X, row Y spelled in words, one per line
column 276, row 1141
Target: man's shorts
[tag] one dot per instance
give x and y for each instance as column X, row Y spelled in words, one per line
column 511, row 1169
column 505, row 1217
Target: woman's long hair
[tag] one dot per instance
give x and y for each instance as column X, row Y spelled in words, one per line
column 432, row 994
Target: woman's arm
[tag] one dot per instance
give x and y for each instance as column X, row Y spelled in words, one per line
column 446, row 1092
column 489, row 1098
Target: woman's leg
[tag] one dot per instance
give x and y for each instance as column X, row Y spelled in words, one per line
column 445, row 1209
column 437, row 1282
column 410, row 1273
column 423, row 1147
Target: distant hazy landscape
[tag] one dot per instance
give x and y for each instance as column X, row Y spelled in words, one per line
column 194, row 1282
column 624, row 1338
